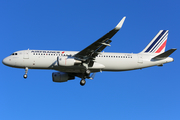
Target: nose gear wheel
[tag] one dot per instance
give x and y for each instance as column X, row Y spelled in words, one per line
column 26, row 71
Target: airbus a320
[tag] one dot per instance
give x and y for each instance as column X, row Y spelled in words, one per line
column 85, row 63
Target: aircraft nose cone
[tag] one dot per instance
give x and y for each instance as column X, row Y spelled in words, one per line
column 5, row 61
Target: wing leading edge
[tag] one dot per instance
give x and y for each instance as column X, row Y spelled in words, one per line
column 90, row 52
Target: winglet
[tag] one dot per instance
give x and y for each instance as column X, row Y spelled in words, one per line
column 119, row 25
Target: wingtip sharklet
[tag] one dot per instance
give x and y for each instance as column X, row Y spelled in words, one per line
column 119, row 25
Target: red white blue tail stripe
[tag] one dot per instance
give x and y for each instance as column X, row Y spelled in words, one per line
column 158, row 43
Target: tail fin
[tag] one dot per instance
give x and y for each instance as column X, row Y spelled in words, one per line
column 158, row 43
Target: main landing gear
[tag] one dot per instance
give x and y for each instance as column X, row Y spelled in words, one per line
column 84, row 76
column 82, row 82
column 26, row 71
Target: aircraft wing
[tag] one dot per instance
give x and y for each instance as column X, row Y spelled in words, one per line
column 90, row 52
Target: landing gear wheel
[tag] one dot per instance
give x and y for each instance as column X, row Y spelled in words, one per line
column 26, row 71
column 88, row 72
column 82, row 82
column 25, row 76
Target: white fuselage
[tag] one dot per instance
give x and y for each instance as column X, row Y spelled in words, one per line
column 106, row 61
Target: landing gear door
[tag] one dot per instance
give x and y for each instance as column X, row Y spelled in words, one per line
column 26, row 54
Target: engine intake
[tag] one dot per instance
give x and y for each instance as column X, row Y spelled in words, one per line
column 61, row 77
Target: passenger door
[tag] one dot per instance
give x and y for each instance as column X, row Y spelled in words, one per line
column 26, row 54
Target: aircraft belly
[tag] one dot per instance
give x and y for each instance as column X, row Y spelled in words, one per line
column 71, row 69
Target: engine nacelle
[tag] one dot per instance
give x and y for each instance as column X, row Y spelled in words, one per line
column 63, row 61
column 61, row 77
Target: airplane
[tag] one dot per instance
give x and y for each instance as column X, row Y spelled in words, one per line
column 87, row 62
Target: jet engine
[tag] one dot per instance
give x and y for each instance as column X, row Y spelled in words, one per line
column 61, row 77
column 63, row 61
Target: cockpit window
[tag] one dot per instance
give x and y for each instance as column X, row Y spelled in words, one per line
column 14, row 54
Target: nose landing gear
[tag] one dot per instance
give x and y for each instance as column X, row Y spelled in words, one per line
column 26, row 71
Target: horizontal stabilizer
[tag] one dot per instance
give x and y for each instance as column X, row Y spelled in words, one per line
column 165, row 54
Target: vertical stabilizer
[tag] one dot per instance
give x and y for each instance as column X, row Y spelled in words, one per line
column 158, row 43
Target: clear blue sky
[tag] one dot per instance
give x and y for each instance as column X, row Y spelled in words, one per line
column 148, row 94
